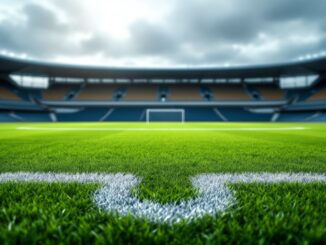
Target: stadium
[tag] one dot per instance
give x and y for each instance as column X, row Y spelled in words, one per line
column 162, row 122
column 160, row 157
column 45, row 92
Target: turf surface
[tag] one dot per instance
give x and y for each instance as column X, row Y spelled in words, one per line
column 164, row 160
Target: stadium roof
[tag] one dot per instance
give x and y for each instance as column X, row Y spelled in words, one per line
column 10, row 65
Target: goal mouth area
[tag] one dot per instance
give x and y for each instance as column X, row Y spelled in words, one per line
column 165, row 115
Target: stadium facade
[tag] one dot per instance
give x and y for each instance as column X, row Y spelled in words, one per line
column 41, row 92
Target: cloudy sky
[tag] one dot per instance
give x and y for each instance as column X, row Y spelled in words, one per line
column 163, row 32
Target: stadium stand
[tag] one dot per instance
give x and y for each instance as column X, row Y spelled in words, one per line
column 142, row 92
column 97, row 92
column 86, row 115
column 265, row 93
column 320, row 95
column 196, row 115
column 270, row 92
column 184, row 92
column 33, row 116
column 229, row 92
column 57, row 92
column 6, row 94
column 5, row 117
column 127, row 115
column 318, row 117
column 242, row 115
column 294, row 116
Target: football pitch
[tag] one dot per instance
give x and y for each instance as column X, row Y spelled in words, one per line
column 52, row 178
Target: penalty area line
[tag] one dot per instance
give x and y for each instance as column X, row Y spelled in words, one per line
column 160, row 129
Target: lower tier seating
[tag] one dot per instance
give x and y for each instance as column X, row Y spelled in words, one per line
column 33, row 116
column 5, row 117
column 242, row 115
column 84, row 115
column 294, row 116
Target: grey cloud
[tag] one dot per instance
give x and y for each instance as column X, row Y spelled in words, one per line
column 40, row 35
column 148, row 39
column 95, row 44
column 280, row 10
column 192, row 33
column 208, row 22
column 41, row 18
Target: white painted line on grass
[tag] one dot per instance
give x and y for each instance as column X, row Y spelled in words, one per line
column 160, row 129
column 51, row 177
column 115, row 196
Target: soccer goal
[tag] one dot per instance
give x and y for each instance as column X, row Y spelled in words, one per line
column 165, row 115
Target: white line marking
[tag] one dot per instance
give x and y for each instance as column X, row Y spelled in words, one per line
column 160, row 129
column 115, row 196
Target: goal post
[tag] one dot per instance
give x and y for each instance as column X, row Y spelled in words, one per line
column 165, row 115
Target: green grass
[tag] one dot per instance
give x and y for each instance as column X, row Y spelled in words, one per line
column 164, row 161
column 35, row 213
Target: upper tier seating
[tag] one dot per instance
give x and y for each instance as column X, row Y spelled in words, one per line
column 97, row 92
column 270, row 92
column 320, row 95
column 56, row 92
column 229, row 92
column 184, row 92
column 141, row 92
column 6, row 94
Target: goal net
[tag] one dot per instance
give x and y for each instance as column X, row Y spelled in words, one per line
column 165, row 115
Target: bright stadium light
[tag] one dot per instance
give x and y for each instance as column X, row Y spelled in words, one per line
column 30, row 81
column 298, row 81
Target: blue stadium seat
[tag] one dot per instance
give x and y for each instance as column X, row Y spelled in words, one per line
column 127, row 114
column 294, row 116
column 5, row 117
column 34, row 116
column 201, row 115
column 242, row 115
column 85, row 115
